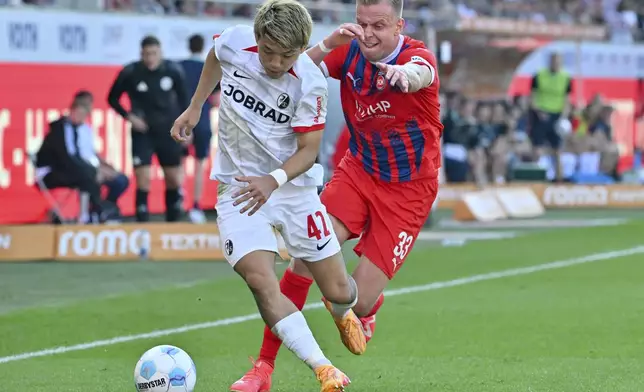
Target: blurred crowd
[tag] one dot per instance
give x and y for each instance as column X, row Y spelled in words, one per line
column 624, row 18
column 487, row 141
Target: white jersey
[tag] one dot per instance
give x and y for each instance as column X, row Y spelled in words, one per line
column 259, row 117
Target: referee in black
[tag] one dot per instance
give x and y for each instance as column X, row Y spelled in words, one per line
column 157, row 92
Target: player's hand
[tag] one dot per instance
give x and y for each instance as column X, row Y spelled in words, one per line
column 182, row 128
column 138, row 124
column 344, row 35
column 188, row 140
column 395, row 75
column 258, row 190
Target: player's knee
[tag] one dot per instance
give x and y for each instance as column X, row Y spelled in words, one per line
column 262, row 285
column 342, row 291
column 142, row 174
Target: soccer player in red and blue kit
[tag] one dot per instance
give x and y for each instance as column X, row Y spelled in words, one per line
column 385, row 185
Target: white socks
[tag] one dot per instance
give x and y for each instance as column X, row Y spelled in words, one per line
column 297, row 337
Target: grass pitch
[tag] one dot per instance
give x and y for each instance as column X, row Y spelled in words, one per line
column 570, row 328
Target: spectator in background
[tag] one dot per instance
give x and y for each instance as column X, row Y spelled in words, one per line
column 67, row 159
column 107, row 176
column 520, row 146
column 479, row 155
column 623, row 23
column 157, row 93
column 202, row 133
column 589, row 154
column 601, row 134
column 500, row 151
column 550, row 104
column 459, row 138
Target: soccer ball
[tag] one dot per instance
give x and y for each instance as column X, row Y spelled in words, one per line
column 165, row 369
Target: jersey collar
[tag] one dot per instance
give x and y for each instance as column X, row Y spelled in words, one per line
column 394, row 53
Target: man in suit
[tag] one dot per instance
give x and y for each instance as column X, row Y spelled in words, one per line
column 67, row 159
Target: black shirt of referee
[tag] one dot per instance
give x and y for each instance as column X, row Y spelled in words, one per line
column 157, row 92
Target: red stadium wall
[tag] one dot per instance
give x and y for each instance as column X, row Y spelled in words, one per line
column 46, row 56
column 31, row 96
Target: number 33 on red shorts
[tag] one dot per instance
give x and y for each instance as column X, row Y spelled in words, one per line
column 388, row 215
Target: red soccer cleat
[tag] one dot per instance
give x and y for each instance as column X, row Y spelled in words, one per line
column 257, row 379
column 368, row 326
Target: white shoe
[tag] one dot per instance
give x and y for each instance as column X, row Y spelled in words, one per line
column 197, row 216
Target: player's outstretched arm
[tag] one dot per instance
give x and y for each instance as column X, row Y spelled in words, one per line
column 341, row 36
column 409, row 77
column 210, row 76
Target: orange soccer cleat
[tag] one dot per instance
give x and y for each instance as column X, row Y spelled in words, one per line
column 331, row 378
column 351, row 332
column 257, row 379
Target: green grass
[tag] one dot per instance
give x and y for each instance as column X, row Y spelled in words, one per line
column 573, row 329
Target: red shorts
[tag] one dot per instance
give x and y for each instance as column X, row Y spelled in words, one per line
column 389, row 216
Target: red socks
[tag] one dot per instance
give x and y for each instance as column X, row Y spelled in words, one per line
column 377, row 305
column 296, row 288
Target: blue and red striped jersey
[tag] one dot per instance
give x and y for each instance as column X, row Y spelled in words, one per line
column 395, row 135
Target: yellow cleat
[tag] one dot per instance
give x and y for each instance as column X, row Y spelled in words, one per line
column 351, row 331
column 331, row 378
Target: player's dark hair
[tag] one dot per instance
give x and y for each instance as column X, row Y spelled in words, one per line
column 516, row 99
column 463, row 100
column 480, row 105
column 82, row 98
column 196, row 43
column 504, row 104
column 83, row 94
column 150, row 40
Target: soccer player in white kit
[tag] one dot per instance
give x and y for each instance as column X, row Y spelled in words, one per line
column 271, row 117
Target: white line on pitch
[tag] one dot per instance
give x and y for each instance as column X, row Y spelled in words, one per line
column 405, row 290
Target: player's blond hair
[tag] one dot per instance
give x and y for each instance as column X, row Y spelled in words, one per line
column 397, row 5
column 285, row 22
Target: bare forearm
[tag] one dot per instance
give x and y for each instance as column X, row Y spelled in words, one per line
column 210, row 76
column 300, row 162
column 317, row 54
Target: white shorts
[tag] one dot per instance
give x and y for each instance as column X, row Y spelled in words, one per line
column 295, row 212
